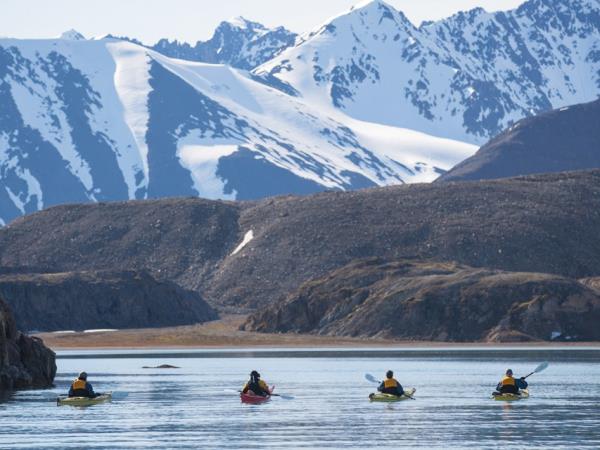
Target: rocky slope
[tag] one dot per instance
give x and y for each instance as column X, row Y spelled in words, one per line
column 246, row 255
column 563, row 139
column 436, row 301
column 88, row 300
column 24, row 361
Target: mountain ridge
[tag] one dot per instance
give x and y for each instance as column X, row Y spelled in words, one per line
column 466, row 77
column 562, row 139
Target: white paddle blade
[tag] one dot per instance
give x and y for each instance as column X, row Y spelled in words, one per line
column 541, row 367
column 371, row 378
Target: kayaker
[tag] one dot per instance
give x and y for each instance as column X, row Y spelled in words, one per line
column 390, row 385
column 511, row 385
column 81, row 388
column 256, row 385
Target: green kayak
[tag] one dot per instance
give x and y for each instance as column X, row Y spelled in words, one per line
column 511, row 397
column 84, row 401
column 379, row 397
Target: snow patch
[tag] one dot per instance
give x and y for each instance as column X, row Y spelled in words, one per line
column 100, row 330
column 247, row 238
column 132, row 82
column 201, row 158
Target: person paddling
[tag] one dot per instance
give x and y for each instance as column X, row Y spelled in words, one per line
column 256, row 385
column 81, row 388
column 390, row 385
column 511, row 385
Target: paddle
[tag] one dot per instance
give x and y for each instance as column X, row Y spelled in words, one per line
column 374, row 380
column 285, row 397
column 538, row 369
column 116, row 395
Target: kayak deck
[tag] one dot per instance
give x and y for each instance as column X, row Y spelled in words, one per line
column 255, row 399
column 84, row 401
column 511, row 397
column 381, row 397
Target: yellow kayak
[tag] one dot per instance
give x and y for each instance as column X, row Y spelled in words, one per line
column 511, row 397
column 380, row 397
column 84, row 401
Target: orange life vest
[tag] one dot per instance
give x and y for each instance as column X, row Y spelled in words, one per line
column 79, row 384
column 508, row 381
column 390, row 383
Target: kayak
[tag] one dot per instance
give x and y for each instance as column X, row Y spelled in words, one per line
column 255, row 399
column 380, row 397
column 511, row 397
column 84, row 401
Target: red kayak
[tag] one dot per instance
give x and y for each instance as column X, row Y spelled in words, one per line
column 255, row 399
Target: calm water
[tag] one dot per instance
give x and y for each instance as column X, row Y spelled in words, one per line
column 189, row 407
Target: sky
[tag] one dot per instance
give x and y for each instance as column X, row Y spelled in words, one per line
column 193, row 20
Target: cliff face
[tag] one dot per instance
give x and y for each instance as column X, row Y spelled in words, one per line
column 100, row 299
column 24, row 361
column 436, row 301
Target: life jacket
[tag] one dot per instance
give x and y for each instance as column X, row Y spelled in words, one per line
column 509, row 385
column 391, row 386
column 79, row 388
column 259, row 387
column 508, row 381
column 390, row 383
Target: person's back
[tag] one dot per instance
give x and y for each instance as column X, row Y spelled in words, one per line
column 390, row 385
column 81, row 388
column 510, row 385
column 256, row 385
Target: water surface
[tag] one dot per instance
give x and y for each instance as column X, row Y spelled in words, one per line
column 194, row 406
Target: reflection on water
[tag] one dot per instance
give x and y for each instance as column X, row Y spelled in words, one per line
column 193, row 407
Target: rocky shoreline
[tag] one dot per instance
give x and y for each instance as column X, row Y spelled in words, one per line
column 436, row 302
column 25, row 362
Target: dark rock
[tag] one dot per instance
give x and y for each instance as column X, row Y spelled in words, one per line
column 556, row 141
column 162, row 366
column 436, row 301
column 100, row 299
column 24, row 361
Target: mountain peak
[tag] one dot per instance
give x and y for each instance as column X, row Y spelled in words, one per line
column 243, row 23
column 72, row 35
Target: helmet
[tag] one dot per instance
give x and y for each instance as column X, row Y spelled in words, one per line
column 389, row 374
column 83, row 376
column 509, row 372
column 255, row 374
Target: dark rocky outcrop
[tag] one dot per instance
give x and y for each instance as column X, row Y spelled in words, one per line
column 556, row 141
column 162, row 366
column 436, row 301
column 100, row 299
column 24, row 361
column 540, row 223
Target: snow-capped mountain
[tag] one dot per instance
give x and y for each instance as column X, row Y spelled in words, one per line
column 98, row 120
column 466, row 77
column 238, row 42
